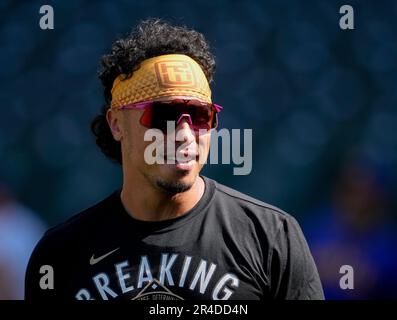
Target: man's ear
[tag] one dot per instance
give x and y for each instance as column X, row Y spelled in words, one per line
column 114, row 124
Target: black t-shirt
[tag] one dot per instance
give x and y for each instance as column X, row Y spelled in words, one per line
column 228, row 246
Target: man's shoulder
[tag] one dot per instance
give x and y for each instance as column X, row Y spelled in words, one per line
column 250, row 206
column 79, row 222
column 246, row 199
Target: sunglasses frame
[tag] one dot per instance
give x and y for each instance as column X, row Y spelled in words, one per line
column 145, row 104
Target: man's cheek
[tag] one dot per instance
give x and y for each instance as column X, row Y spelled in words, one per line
column 203, row 147
column 153, row 147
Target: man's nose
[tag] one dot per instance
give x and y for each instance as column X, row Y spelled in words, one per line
column 184, row 129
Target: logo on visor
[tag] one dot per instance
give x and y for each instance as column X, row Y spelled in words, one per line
column 175, row 73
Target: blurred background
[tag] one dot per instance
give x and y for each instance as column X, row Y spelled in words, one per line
column 321, row 102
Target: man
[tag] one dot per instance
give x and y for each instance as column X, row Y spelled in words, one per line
column 169, row 233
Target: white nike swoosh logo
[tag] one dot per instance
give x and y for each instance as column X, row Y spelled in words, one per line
column 96, row 260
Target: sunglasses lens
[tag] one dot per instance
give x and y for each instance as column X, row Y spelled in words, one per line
column 157, row 114
column 161, row 113
column 202, row 117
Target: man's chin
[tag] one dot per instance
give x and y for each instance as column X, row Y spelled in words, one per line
column 175, row 178
column 171, row 186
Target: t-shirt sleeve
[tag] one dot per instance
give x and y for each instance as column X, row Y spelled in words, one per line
column 293, row 273
column 40, row 274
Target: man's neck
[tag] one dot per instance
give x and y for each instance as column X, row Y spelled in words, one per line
column 142, row 201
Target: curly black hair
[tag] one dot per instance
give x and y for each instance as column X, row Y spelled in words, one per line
column 152, row 37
